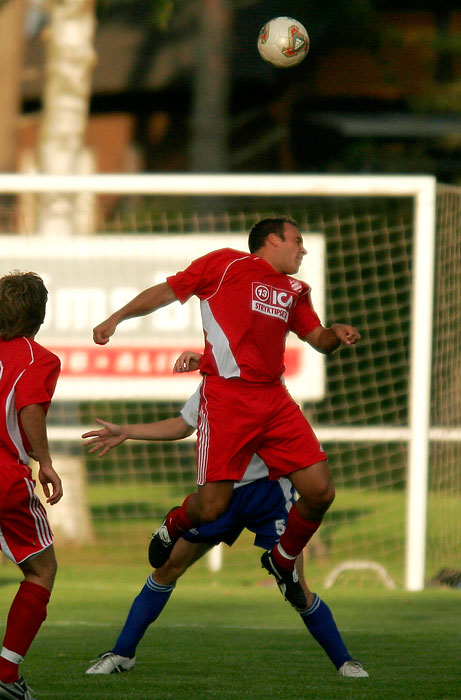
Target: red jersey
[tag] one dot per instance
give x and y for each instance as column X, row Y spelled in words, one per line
column 247, row 310
column 28, row 375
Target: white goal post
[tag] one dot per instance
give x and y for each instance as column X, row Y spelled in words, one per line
column 422, row 189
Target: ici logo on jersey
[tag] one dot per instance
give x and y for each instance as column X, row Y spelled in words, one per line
column 271, row 301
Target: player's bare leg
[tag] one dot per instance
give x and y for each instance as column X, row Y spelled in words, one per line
column 41, row 569
column 210, row 501
column 316, row 491
column 205, row 506
column 184, row 554
column 302, row 579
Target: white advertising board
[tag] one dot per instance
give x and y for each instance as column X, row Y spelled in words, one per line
column 89, row 277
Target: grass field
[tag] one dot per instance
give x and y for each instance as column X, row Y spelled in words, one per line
column 362, row 524
column 229, row 635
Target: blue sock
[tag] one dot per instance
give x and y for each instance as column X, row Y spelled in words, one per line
column 320, row 623
column 146, row 608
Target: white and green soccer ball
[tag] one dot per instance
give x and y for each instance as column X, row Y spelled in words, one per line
column 283, row 42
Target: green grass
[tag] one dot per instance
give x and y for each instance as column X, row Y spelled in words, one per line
column 362, row 524
column 230, row 635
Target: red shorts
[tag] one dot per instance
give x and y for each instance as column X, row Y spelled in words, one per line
column 238, row 418
column 24, row 527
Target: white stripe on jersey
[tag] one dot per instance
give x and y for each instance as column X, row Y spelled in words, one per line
column 190, row 409
column 38, row 513
column 12, row 424
column 11, row 415
column 288, row 491
column 204, row 442
column 225, row 360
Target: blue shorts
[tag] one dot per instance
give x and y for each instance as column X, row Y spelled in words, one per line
column 261, row 506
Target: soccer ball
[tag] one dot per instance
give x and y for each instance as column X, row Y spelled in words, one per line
column 283, row 42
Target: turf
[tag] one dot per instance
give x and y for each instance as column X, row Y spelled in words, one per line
column 223, row 638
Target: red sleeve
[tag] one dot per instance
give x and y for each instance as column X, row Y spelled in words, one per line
column 305, row 319
column 200, row 278
column 38, row 382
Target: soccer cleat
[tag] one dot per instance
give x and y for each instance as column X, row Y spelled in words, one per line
column 161, row 544
column 111, row 663
column 15, row 691
column 352, row 669
column 287, row 581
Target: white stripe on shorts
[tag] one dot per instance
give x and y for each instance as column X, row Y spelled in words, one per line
column 204, row 438
column 39, row 514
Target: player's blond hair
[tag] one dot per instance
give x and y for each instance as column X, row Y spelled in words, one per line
column 23, row 298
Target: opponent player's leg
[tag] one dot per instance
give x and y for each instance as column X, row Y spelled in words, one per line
column 205, row 506
column 265, row 511
column 27, row 612
column 321, row 624
column 147, row 607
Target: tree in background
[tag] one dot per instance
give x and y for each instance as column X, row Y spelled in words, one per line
column 69, row 64
column 12, row 19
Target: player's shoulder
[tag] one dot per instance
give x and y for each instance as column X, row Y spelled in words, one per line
column 39, row 353
column 298, row 286
column 220, row 260
column 230, row 254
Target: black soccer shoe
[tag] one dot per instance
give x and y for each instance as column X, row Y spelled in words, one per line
column 161, row 544
column 15, row 691
column 287, row 581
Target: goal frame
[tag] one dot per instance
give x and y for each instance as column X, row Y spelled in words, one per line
column 421, row 188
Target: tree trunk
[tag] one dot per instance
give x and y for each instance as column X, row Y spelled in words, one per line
column 12, row 18
column 70, row 61
column 210, row 112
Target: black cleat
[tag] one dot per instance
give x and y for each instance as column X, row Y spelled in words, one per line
column 287, row 581
column 15, row 691
column 161, row 544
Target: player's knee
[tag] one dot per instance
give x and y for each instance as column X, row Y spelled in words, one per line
column 328, row 495
column 322, row 498
column 209, row 511
column 168, row 574
column 41, row 569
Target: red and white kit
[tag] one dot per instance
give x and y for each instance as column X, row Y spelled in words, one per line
column 247, row 311
column 28, row 375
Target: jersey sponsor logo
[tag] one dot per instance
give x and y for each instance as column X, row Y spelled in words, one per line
column 271, row 301
column 295, row 284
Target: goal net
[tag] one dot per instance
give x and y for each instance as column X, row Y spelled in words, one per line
column 387, row 411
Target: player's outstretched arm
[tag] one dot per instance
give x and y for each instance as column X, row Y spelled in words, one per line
column 110, row 435
column 144, row 303
column 327, row 340
column 33, row 420
column 106, row 437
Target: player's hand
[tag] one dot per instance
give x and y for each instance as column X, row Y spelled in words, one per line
column 188, row 361
column 103, row 332
column 47, row 476
column 105, row 438
column 346, row 334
